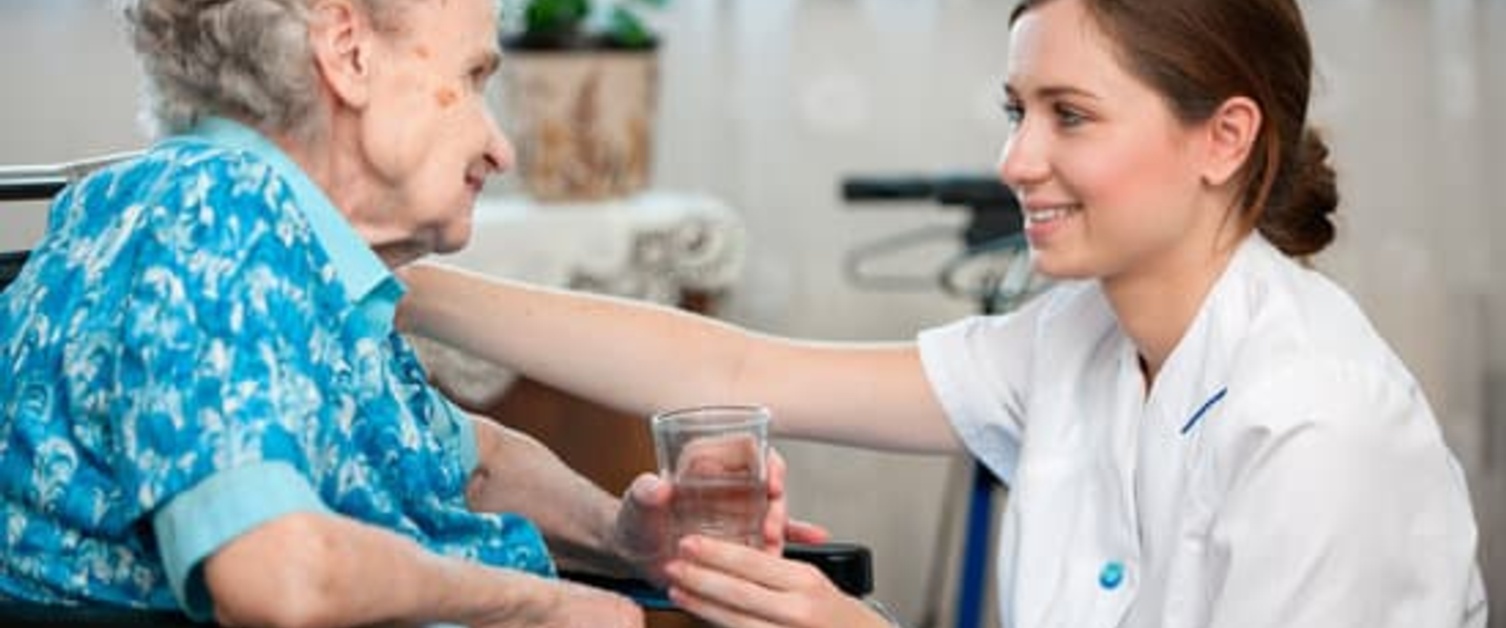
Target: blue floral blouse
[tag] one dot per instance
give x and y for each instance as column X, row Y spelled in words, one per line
column 199, row 344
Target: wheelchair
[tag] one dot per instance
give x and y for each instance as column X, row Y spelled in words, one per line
column 848, row 566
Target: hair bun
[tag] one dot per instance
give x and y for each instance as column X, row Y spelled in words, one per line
column 1297, row 220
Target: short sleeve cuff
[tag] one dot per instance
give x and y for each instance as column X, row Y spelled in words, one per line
column 942, row 351
column 200, row 521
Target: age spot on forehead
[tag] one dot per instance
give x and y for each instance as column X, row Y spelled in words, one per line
column 446, row 96
column 422, row 51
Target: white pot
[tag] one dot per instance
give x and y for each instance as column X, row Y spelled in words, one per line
column 582, row 121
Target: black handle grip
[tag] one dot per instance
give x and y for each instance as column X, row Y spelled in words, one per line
column 979, row 192
column 887, row 188
column 10, row 266
column 848, row 565
column 37, row 188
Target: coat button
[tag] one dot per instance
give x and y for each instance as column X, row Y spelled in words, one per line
column 1111, row 576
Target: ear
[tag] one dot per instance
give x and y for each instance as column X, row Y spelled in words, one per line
column 341, row 41
column 1231, row 133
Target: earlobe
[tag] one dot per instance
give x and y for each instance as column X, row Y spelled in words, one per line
column 1232, row 131
column 339, row 41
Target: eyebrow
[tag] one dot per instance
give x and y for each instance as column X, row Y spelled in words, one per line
column 1053, row 91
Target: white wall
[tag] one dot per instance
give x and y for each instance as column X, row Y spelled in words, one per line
column 770, row 102
column 67, row 89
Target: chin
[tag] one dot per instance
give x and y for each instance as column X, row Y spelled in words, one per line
column 1058, row 267
column 449, row 245
column 453, row 237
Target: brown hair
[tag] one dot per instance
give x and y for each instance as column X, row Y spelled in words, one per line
column 1199, row 53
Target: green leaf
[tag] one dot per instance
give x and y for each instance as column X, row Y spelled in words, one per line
column 555, row 16
column 627, row 29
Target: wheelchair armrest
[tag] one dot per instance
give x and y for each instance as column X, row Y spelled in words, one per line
column 849, row 566
column 15, row 614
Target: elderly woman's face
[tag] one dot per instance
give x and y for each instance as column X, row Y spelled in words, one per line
column 428, row 134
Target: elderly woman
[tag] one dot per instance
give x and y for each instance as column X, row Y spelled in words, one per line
column 205, row 404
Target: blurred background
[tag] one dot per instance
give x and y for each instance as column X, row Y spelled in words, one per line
column 768, row 104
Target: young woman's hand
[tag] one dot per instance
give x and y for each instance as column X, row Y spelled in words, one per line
column 740, row 587
column 778, row 527
column 642, row 529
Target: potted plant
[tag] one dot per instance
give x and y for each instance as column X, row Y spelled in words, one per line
column 579, row 94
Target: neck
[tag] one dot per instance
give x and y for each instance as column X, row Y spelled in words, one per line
column 332, row 160
column 1158, row 300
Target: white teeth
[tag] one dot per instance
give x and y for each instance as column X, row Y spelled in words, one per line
column 1037, row 216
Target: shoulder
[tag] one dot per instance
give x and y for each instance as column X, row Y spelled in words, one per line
column 196, row 236
column 1351, row 446
column 1342, row 421
column 1308, row 364
column 183, row 183
column 178, row 219
column 1301, row 337
column 1324, row 387
column 199, row 208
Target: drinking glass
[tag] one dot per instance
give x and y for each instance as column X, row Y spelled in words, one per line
column 716, row 459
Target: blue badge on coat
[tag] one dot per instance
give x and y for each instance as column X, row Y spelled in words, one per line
column 1111, row 576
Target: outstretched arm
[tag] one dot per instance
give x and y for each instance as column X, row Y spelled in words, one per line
column 641, row 358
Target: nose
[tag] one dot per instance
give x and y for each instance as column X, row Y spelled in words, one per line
column 1023, row 161
column 500, row 155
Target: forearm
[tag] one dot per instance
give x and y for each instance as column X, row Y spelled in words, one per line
column 632, row 356
column 519, row 475
column 327, row 570
column 641, row 358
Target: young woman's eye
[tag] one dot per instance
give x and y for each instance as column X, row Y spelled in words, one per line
column 1069, row 117
column 1014, row 112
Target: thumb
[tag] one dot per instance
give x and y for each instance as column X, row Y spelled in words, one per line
column 797, row 531
column 649, row 490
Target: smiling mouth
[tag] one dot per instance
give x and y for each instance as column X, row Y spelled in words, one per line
column 1046, row 215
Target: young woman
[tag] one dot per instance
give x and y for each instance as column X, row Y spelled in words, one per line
column 1197, row 429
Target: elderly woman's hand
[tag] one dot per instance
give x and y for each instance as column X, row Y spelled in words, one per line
column 580, row 607
column 643, row 529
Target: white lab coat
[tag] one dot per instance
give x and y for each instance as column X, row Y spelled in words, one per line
column 1314, row 491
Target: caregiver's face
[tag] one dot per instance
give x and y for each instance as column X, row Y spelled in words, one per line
column 1106, row 173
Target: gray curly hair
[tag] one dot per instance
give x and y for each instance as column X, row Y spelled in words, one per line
column 245, row 59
